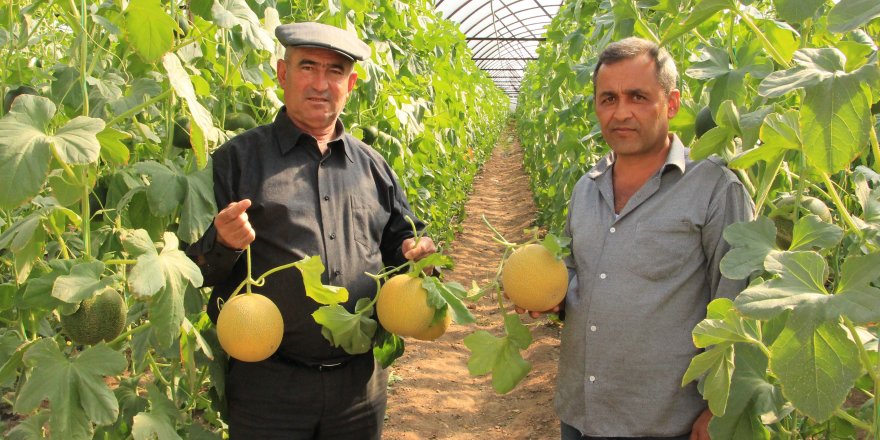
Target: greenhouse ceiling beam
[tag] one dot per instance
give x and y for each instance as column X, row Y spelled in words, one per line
column 504, row 39
column 505, row 59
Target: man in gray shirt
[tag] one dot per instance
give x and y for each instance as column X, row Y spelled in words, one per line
column 646, row 225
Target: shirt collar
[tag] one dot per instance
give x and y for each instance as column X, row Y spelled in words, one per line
column 289, row 135
column 677, row 157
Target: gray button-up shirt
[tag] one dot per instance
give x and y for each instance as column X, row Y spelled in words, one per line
column 345, row 206
column 639, row 283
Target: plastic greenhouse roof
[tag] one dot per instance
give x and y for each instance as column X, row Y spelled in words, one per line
column 502, row 34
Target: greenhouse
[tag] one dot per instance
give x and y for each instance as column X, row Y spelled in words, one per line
column 444, row 219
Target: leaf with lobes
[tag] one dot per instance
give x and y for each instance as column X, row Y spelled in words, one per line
column 163, row 278
column 810, row 233
column 353, row 332
column 150, row 29
column 203, row 131
column 701, row 12
column 750, row 243
column 75, row 387
column 387, row 347
column 84, row 281
column 311, row 269
column 796, row 11
column 500, row 356
column 451, row 294
column 752, row 399
column 230, row 13
column 816, row 363
column 160, row 421
column 848, row 15
column 26, row 146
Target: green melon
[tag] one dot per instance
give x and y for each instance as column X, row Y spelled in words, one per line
column 180, row 138
column 15, row 93
column 239, row 121
column 100, row 318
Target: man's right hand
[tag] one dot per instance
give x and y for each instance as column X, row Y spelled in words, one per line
column 233, row 228
column 535, row 314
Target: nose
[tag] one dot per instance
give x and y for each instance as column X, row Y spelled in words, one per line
column 319, row 81
column 622, row 111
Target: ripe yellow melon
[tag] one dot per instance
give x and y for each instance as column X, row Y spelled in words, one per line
column 436, row 330
column 250, row 327
column 534, row 279
column 403, row 307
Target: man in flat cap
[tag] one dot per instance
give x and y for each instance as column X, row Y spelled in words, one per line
column 301, row 186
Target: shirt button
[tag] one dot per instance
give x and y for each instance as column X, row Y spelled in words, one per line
column 337, row 272
column 603, row 276
column 323, row 164
column 592, row 378
column 612, row 230
column 333, row 236
column 326, row 198
column 592, row 328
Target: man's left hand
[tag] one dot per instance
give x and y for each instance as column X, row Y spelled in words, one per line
column 701, row 426
column 416, row 251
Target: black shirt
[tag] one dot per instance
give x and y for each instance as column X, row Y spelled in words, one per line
column 345, row 206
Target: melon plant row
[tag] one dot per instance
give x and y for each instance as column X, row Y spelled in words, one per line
column 784, row 90
column 111, row 110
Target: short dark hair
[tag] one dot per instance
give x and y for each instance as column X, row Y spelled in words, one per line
column 632, row 47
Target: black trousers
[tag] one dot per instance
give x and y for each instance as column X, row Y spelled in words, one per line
column 571, row 433
column 276, row 399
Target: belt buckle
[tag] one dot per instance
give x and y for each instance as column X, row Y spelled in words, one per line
column 328, row 367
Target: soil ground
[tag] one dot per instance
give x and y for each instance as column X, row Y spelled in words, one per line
column 431, row 395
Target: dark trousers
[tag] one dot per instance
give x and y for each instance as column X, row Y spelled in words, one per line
column 276, row 399
column 571, row 433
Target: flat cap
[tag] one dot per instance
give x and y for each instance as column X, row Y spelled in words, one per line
column 324, row 36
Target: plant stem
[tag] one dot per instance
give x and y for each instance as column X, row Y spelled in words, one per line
column 768, row 46
column 841, row 208
column 863, row 352
column 86, row 214
column 853, row 421
column 133, row 331
column 875, row 148
column 767, row 179
column 138, row 109
column 112, row 262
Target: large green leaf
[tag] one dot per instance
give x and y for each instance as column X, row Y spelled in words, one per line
column 164, row 277
column 701, row 12
column 84, row 281
column 451, row 294
column 854, row 296
column 796, row 11
column 150, row 28
column 74, row 387
column 500, row 356
column 750, row 242
column 812, row 67
column 800, row 281
column 160, row 421
column 353, row 332
column 810, row 232
column 850, row 14
column 816, row 365
column 750, row 396
column 835, row 119
column 204, row 124
column 199, row 205
column 26, row 147
column 717, row 365
column 230, row 13
column 726, row 328
column 167, row 187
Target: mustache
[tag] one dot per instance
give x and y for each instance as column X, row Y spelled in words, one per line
column 318, row 95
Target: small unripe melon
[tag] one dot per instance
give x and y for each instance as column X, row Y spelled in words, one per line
column 100, row 318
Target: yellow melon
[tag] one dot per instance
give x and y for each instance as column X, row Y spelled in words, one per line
column 436, row 330
column 250, row 327
column 403, row 307
column 534, row 279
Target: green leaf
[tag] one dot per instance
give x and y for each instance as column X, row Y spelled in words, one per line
column 160, row 421
column 800, row 282
column 717, row 364
column 816, row 365
column 83, row 282
column 854, row 296
column 311, row 269
column 810, row 232
column 517, row 332
column 714, row 141
column 204, row 124
column 113, row 151
column 352, row 331
column 812, row 67
column 451, row 294
column 387, row 347
column 749, row 394
column 782, row 131
column 167, row 187
column 32, row 428
column 500, row 356
column 74, row 387
column 728, row 329
column 230, row 13
column 199, row 205
column 164, row 277
column 796, row 11
column 834, row 119
column 26, row 147
column 701, row 12
column 750, row 243
column 150, row 29
column 850, row 14
column 714, row 63
column 14, row 362
column 557, row 245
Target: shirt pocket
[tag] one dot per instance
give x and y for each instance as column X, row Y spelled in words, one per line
column 663, row 247
column 368, row 222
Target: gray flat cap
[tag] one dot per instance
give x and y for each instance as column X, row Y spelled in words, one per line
column 324, row 36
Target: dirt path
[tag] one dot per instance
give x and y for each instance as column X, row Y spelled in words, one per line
column 431, row 394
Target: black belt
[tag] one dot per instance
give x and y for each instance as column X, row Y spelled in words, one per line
column 312, row 366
